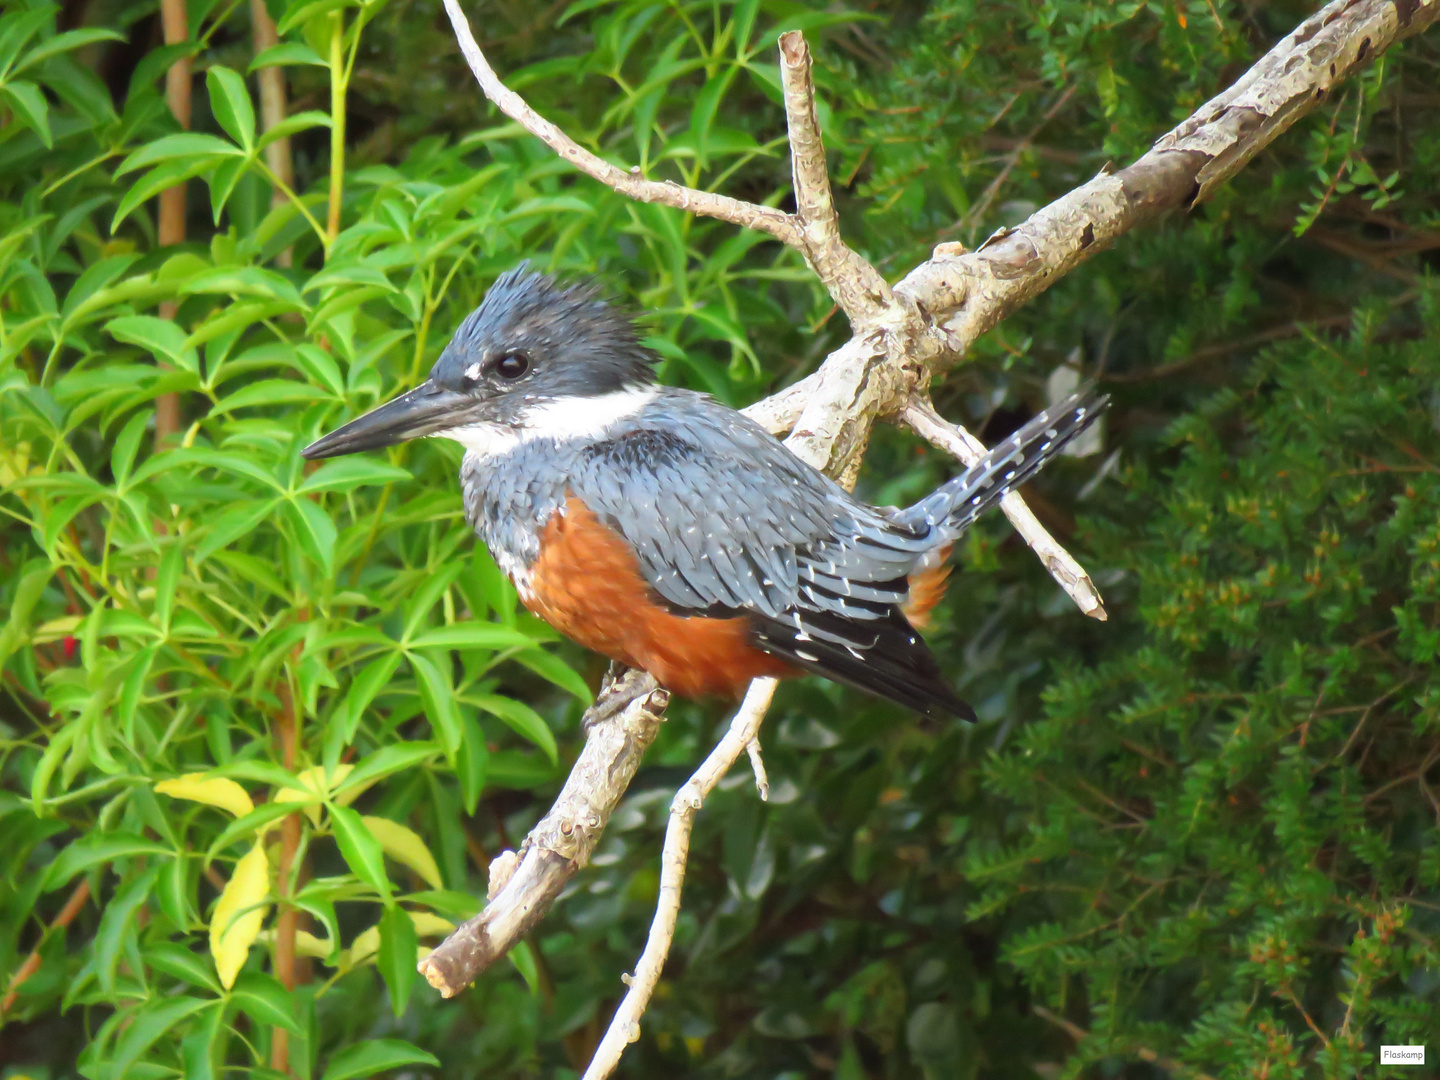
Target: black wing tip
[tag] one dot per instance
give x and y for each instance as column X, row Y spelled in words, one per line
column 947, row 706
column 896, row 666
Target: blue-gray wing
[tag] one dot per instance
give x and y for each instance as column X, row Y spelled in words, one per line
column 724, row 519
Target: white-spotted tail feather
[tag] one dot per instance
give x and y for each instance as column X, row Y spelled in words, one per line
column 953, row 506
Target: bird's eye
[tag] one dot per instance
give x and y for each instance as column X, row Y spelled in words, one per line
column 512, row 365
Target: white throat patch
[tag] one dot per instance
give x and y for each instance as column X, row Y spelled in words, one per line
column 562, row 419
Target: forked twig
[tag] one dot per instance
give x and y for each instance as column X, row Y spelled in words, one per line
column 619, row 727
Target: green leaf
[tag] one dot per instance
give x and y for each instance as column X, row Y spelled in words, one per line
column 432, row 587
column 222, row 184
column 387, row 761
column 263, row 999
column 349, row 472
column 157, row 180
column 405, row 846
column 396, row 958
column 29, row 104
column 119, row 921
column 183, row 964
column 361, row 850
column 63, row 43
column 293, row 125
column 315, row 531
column 240, row 520
column 346, row 719
column 524, row 961
column 244, row 828
column 438, row 697
column 96, row 849
column 320, row 367
column 204, row 1047
column 28, row 590
column 254, row 281
column 472, row 763
column 376, row 1056
column 190, row 148
column 230, row 102
column 146, row 1028
column 160, row 336
column 522, row 719
column 549, row 666
column 127, row 444
column 166, row 582
column 18, row 26
column 349, row 273
column 288, row 52
column 472, row 635
column 210, row 459
column 267, row 393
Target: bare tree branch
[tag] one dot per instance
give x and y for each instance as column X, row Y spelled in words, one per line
column 1070, row 575
column 856, row 285
column 625, row 1026
column 765, row 219
column 620, row 727
column 956, row 296
column 970, row 293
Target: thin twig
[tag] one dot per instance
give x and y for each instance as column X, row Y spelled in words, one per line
column 1068, row 573
column 765, row 219
column 757, row 766
column 78, row 896
column 625, row 1026
column 171, row 229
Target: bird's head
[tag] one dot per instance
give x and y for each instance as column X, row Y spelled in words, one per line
column 535, row 357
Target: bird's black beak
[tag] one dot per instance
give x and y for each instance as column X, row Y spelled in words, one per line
column 423, row 411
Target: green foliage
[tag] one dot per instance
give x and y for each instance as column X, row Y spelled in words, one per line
column 1204, row 830
column 1263, row 750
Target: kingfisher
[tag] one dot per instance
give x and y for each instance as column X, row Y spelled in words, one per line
column 663, row 529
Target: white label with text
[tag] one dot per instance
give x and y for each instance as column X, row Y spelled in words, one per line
column 1402, row 1055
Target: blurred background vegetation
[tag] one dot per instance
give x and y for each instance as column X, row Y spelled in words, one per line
column 1202, row 839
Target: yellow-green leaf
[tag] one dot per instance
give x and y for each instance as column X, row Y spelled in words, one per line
column 308, row 944
column 211, row 790
column 428, row 925
column 239, row 914
column 405, row 846
column 365, row 945
column 316, row 786
column 367, row 942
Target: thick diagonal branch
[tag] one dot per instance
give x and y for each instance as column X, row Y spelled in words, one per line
column 960, row 295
